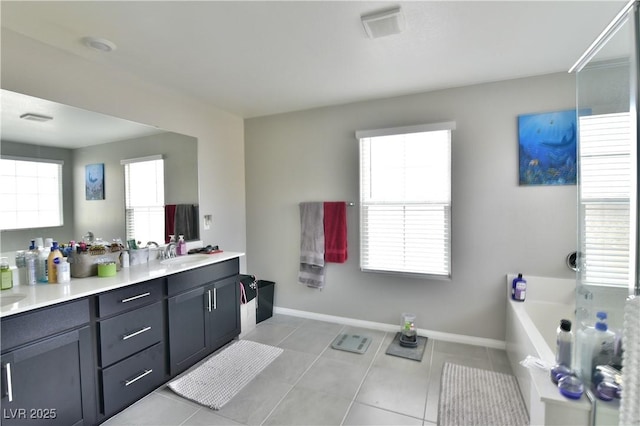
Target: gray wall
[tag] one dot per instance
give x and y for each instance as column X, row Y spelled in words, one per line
column 498, row 226
column 105, row 218
column 19, row 239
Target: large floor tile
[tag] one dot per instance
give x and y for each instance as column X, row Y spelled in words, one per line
column 154, row 410
column 499, row 361
column 393, row 390
column 308, row 407
column 208, row 417
column 288, row 320
column 334, row 377
column 255, row 401
column 460, row 349
column 361, row 414
column 329, row 327
column 270, row 334
column 308, row 340
column 289, row 366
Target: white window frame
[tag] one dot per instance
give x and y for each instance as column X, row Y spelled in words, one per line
column 406, row 232
column 144, row 220
column 604, row 194
column 30, row 194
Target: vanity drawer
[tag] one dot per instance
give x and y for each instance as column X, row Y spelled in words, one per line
column 132, row 378
column 183, row 281
column 130, row 332
column 129, row 297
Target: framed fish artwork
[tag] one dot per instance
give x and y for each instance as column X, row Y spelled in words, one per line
column 94, row 181
column 548, row 148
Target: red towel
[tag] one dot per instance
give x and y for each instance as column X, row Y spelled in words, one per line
column 169, row 221
column 335, row 231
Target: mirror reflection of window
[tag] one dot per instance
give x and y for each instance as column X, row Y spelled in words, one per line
column 144, row 198
column 31, row 193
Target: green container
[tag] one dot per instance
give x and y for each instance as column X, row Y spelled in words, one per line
column 107, row 269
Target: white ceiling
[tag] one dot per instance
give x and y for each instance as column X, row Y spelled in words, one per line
column 266, row 57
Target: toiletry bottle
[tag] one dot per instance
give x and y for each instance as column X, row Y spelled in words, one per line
column 182, row 246
column 564, row 343
column 6, row 276
column 51, row 265
column 41, row 261
column 31, row 259
column 604, row 343
column 125, row 259
column 519, row 289
column 63, row 270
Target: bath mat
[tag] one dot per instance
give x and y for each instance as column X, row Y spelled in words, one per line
column 352, row 343
column 415, row 354
column 217, row 380
column 471, row 396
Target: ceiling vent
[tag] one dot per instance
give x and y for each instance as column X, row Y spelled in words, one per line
column 101, row 44
column 382, row 24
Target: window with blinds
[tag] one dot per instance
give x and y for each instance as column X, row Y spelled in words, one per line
column 144, row 198
column 405, row 200
column 605, row 179
column 30, row 193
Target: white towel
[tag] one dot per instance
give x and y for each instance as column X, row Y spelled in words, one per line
column 312, row 244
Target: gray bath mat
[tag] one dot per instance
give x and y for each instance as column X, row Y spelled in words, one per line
column 411, row 353
column 471, row 396
column 224, row 374
column 352, row 343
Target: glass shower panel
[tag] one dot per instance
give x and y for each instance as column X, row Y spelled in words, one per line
column 606, row 201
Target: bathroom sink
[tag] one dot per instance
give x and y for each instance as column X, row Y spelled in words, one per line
column 7, row 299
column 185, row 260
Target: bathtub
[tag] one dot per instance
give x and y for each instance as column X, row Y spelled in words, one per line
column 531, row 330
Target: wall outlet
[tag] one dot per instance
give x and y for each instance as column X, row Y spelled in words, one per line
column 208, row 220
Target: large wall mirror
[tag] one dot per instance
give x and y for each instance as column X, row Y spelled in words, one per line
column 40, row 130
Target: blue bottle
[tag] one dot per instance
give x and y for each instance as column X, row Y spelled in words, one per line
column 519, row 289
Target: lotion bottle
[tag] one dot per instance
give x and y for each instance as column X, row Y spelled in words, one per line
column 519, row 289
column 52, row 271
column 182, row 246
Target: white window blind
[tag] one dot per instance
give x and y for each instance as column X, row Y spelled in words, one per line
column 405, row 200
column 30, row 193
column 144, row 198
column 605, row 178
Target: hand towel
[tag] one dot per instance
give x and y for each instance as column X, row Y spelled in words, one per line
column 169, row 221
column 335, row 231
column 186, row 221
column 312, row 244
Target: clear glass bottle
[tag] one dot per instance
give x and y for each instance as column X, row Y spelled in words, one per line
column 564, row 343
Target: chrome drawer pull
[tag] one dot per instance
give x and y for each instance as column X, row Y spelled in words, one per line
column 129, row 299
column 128, row 382
column 128, row 336
column 9, row 383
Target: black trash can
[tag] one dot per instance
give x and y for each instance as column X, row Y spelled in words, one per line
column 265, row 300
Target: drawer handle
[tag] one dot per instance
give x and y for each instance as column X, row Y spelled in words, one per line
column 129, row 299
column 9, row 383
column 209, row 304
column 135, row 379
column 129, row 336
column 215, row 298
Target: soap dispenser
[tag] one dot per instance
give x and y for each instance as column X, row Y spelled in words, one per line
column 182, row 246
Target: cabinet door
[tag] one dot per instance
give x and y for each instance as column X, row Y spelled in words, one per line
column 225, row 315
column 188, row 329
column 43, row 383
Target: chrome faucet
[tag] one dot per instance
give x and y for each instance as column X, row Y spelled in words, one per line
column 170, row 250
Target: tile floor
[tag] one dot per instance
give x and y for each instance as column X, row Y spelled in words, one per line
column 313, row 384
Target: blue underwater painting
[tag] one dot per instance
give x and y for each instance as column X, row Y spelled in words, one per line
column 548, row 148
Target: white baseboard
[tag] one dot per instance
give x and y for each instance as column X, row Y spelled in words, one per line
column 437, row 335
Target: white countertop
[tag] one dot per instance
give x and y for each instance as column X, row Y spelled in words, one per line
column 23, row 298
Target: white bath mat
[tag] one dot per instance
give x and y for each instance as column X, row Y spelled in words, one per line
column 223, row 375
column 471, row 396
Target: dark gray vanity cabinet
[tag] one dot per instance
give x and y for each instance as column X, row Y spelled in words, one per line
column 130, row 334
column 48, row 374
column 203, row 312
